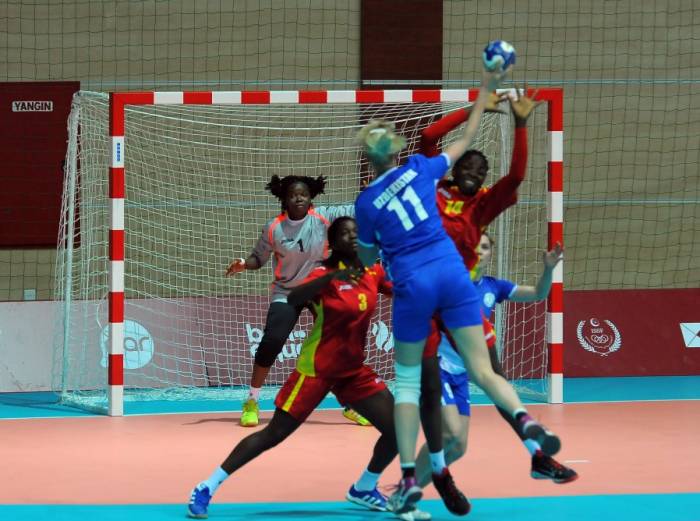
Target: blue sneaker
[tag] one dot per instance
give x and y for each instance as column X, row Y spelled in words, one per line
column 372, row 499
column 199, row 502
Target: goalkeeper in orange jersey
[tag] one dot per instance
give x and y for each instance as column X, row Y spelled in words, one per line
column 296, row 241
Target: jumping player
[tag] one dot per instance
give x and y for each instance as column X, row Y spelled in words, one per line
column 467, row 208
column 455, row 379
column 397, row 212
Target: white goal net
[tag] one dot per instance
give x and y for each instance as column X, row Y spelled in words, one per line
column 195, row 199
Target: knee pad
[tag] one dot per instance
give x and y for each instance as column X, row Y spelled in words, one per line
column 407, row 388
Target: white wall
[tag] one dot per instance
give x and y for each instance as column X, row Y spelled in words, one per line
column 26, row 345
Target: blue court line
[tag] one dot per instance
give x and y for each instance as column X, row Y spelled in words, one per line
column 576, row 390
column 627, row 507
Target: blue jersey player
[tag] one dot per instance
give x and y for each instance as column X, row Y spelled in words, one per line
column 397, row 214
column 455, row 379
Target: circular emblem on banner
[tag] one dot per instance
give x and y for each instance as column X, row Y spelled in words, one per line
column 383, row 339
column 138, row 345
column 599, row 337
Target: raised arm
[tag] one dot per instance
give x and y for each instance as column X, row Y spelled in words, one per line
column 504, row 193
column 550, row 259
column 490, row 83
column 432, row 134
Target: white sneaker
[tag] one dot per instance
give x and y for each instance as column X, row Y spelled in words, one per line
column 415, row 515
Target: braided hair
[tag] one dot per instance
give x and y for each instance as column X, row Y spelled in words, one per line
column 279, row 186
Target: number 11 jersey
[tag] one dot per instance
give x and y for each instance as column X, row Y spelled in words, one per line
column 398, row 213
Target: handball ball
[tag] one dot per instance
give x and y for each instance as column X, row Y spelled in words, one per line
column 498, row 56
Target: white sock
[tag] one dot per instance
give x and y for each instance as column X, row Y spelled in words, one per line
column 368, row 481
column 532, row 446
column 517, row 413
column 254, row 393
column 217, row 478
column 437, row 461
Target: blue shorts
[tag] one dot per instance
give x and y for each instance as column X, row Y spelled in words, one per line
column 440, row 286
column 455, row 391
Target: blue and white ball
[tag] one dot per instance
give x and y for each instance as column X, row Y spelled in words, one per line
column 498, row 56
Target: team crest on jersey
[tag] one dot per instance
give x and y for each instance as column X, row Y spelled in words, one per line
column 446, row 193
column 489, row 299
column 344, row 287
column 601, row 338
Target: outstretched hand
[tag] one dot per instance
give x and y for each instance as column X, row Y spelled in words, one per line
column 495, row 99
column 522, row 105
column 552, row 257
column 236, row 266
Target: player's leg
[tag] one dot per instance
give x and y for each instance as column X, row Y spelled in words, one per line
column 431, row 404
column 543, row 466
column 455, row 429
column 281, row 426
column 415, row 301
column 472, row 347
column 280, row 321
column 407, row 365
column 378, row 409
column 297, row 398
column 431, row 418
column 461, row 313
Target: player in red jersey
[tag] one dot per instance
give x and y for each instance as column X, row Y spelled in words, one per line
column 342, row 295
column 466, row 206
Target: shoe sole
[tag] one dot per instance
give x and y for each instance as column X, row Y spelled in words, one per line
column 549, row 443
column 197, row 516
column 358, row 501
column 538, row 475
column 410, row 501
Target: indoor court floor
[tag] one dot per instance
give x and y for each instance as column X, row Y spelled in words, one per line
column 633, row 441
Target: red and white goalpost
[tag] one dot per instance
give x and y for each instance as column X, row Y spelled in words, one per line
column 186, row 178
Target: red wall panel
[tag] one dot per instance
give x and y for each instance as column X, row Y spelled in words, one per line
column 33, row 139
column 630, row 332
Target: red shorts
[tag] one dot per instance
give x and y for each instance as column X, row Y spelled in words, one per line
column 301, row 394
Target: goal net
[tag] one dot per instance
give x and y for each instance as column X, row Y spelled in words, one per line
column 195, row 199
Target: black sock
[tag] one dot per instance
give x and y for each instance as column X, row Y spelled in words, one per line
column 519, row 414
column 408, row 471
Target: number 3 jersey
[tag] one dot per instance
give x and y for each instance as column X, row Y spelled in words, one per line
column 298, row 246
column 342, row 311
column 398, row 212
